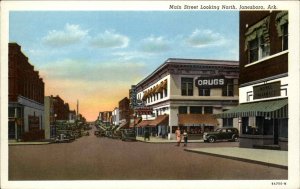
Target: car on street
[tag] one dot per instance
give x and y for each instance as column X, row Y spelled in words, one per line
column 62, row 138
column 128, row 134
column 224, row 133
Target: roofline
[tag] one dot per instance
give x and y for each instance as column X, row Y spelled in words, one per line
column 188, row 61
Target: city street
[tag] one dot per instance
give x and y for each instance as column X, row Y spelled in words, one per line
column 92, row 158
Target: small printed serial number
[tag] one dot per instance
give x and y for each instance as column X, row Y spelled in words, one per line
column 278, row 183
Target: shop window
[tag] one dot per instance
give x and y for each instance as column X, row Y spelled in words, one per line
column 285, row 40
column 245, row 125
column 196, row 109
column 227, row 122
column 182, row 109
column 204, row 92
column 208, row 110
column 187, row 86
column 283, row 128
column 227, row 90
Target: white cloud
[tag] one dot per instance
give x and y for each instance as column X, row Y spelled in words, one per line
column 110, row 39
column 204, row 38
column 71, row 34
column 155, row 45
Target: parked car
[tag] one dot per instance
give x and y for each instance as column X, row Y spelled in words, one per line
column 62, row 138
column 128, row 134
column 225, row 133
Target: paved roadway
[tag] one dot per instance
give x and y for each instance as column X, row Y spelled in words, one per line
column 92, row 158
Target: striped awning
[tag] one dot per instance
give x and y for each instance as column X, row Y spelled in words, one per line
column 272, row 109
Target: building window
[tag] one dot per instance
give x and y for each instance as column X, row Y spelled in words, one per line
column 166, row 92
column 208, row 109
column 227, row 90
column 258, row 49
column 227, row 122
column 285, row 40
column 196, row 109
column 182, row 109
column 204, row 92
column 187, row 86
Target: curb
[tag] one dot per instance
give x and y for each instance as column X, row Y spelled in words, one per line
column 240, row 159
column 29, row 143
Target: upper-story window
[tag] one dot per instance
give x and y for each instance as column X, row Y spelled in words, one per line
column 285, row 41
column 227, row 90
column 282, row 20
column 258, row 49
column 257, row 40
column 187, row 86
column 204, row 92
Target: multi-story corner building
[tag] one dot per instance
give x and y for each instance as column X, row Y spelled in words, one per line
column 263, row 109
column 26, row 97
column 186, row 93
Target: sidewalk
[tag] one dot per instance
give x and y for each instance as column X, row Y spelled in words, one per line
column 163, row 140
column 273, row 158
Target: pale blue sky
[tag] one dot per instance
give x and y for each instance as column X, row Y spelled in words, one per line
column 117, row 48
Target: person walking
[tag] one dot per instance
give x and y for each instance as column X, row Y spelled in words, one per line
column 185, row 138
column 178, row 136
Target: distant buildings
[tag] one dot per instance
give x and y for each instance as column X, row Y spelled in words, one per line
column 26, row 98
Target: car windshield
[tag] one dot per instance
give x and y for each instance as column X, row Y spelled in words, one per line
column 218, row 130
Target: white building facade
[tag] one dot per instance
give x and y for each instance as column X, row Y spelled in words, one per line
column 188, row 92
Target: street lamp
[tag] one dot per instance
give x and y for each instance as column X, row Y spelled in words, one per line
column 55, row 129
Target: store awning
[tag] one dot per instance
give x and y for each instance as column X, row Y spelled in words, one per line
column 160, row 120
column 271, row 109
column 197, row 119
column 144, row 123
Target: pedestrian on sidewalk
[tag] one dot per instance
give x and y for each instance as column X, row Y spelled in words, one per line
column 178, row 136
column 185, row 137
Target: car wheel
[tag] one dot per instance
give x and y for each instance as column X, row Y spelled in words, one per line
column 235, row 138
column 211, row 139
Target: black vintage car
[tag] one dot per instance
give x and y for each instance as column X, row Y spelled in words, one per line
column 128, row 134
column 225, row 133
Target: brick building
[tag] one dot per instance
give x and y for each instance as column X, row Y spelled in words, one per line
column 263, row 108
column 26, row 97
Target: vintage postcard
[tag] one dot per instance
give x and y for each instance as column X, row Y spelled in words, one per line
column 149, row 94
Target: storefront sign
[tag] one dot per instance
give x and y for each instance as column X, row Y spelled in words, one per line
column 210, row 82
column 266, row 90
